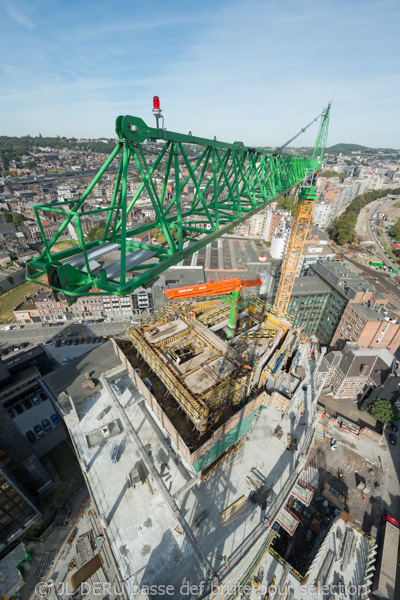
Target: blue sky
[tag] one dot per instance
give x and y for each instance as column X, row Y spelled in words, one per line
column 255, row 71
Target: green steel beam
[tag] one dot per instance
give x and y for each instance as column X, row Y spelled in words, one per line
column 230, row 183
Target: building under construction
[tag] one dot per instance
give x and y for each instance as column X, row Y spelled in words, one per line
column 213, row 386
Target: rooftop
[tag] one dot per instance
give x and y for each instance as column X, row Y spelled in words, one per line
column 96, row 362
column 310, row 285
column 141, row 529
column 369, row 313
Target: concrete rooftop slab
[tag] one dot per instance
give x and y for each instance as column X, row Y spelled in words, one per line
column 163, row 332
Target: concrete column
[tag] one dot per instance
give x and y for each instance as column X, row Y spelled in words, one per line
column 220, row 254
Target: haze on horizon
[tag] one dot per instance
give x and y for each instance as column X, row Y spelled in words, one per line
column 255, row 72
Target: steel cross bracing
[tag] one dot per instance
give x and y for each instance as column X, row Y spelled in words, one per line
column 198, row 188
column 306, row 198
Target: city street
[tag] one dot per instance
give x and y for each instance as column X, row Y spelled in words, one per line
column 364, row 229
column 36, row 334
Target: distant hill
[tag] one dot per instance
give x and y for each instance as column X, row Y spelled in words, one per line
column 347, row 148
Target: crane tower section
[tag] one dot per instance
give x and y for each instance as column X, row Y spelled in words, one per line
column 306, row 199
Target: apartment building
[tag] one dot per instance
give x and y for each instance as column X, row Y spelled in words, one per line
column 322, row 214
column 43, row 308
column 311, row 255
column 354, row 371
column 369, row 326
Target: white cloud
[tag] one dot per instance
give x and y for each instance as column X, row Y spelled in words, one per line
column 17, row 14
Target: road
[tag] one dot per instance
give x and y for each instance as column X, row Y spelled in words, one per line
column 365, row 233
column 36, row 334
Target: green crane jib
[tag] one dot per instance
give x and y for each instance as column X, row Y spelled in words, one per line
column 228, row 183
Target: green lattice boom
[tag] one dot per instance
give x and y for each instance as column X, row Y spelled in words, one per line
column 230, row 183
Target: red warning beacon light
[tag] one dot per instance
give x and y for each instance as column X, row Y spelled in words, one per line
column 156, row 103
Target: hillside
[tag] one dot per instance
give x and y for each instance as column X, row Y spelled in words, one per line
column 347, row 148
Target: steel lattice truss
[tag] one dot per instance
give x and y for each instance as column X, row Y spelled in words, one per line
column 229, row 183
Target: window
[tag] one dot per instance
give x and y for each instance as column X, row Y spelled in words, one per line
column 361, row 320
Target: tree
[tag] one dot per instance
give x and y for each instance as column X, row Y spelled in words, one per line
column 287, row 203
column 17, row 220
column 383, row 411
column 395, row 231
column 95, row 233
column 8, row 217
column 160, row 237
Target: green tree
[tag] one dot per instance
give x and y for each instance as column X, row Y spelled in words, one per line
column 160, row 237
column 383, row 411
column 8, row 217
column 287, row 203
column 395, row 231
column 95, row 233
column 17, row 220
column 329, row 173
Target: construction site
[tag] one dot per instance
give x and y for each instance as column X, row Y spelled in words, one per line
column 194, row 429
column 212, row 386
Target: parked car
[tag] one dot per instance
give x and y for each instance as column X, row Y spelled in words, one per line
column 395, row 427
column 82, row 341
column 393, row 439
column 48, row 343
column 55, row 418
column 45, row 325
column 42, row 396
column 98, row 340
column 46, row 425
column 30, row 437
column 38, row 430
column 58, row 343
column 63, row 342
column 87, row 340
column 27, row 403
column 6, row 328
column 78, row 322
column 35, row 399
column 69, row 342
column 76, row 341
column 108, row 320
column 89, row 322
column 72, row 358
column 19, row 408
column 17, row 327
column 65, row 360
column 92, row 340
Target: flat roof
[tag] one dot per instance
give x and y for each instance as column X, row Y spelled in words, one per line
column 310, row 285
column 368, row 313
column 96, row 362
column 141, row 529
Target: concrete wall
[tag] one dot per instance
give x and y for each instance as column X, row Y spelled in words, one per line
column 250, row 408
column 178, row 443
